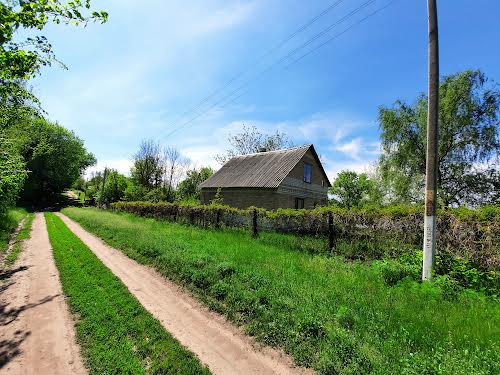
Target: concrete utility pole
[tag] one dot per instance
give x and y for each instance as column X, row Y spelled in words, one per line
column 432, row 145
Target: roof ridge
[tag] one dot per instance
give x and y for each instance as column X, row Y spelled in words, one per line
column 280, row 150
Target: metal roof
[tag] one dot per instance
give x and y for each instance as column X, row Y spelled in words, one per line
column 259, row 170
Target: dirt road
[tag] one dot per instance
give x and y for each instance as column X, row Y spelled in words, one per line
column 37, row 335
column 218, row 344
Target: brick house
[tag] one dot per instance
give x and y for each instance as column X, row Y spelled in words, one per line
column 290, row 178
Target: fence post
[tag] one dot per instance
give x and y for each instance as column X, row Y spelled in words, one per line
column 217, row 219
column 255, row 232
column 331, row 232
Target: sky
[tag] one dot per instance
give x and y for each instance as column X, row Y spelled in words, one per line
column 145, row 73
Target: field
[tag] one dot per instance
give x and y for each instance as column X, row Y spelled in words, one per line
column 330, row 314
column 116, row 334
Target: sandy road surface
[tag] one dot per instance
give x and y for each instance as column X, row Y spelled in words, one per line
column 36, row 330
column 218, row 344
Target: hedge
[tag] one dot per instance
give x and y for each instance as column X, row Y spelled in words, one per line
column 469, row 234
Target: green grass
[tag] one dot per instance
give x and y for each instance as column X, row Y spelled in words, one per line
column 116, row 334
column 22, row 235
column 8, row 223
column 335, row 316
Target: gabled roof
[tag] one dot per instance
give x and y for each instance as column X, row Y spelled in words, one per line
column 259, row 170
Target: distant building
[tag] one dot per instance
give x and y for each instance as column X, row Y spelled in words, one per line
column 291, row 178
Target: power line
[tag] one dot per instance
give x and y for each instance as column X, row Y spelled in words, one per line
column 264, row 55
column 309, row 41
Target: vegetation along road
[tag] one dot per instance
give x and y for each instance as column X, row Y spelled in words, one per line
column 223, row 348
column 328, row 313
column 37, row 335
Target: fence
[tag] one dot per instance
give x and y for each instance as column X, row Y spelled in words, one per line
column 473, row 235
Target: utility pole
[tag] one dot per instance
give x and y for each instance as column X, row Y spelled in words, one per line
column 431, row 169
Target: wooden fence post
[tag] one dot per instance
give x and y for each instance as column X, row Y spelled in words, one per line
column 217, row 219
column 331, row 232
column 255, row 232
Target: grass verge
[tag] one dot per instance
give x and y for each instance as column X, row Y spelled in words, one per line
column 22, row 235
column 8, row 223
column 335, row 316
column 115, row 332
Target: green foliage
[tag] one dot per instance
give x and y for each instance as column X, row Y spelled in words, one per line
column 55, row 157
column 335, row 316
column 355, row 190
column 22, row 60
column 9, row 220
column 468, row 146
column 115, row 332
column 12, row 173
column 189, row 187
column 22, row 235
column 218, row 200
column 114, row 188
column 365, row 233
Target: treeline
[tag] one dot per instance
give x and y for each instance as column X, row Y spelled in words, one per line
column 469, row 150
column 159, row 174
column 38, row 158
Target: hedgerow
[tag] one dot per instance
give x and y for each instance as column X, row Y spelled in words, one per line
column 472, row 235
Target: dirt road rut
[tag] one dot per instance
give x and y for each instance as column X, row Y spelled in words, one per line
column 36, row 330
column 218, row 344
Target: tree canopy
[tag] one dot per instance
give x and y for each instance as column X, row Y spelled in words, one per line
column 354, row 190
column 251, row 140
column 469, row 145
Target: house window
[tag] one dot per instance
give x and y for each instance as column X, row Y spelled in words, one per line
column 299, row 203
column 308, row 173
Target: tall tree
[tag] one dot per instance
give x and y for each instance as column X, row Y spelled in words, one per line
column 174, row 166
column 251, row 140
column 469, row 145
column 147, row 169
column 12, row 173
column 55, row 157
column 355, row 190
column 190, row 186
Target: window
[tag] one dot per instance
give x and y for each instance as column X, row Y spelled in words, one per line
column 299, row 203
column 308, row 173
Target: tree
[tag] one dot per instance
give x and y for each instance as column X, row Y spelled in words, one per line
column 174, row 166
column 23, row 59
column 189, row 187
column 251, row 140
column 148, row 169
column 355, row 190
column 12, row 173
column 114, row 187
column 55, row 157
column 468, row 146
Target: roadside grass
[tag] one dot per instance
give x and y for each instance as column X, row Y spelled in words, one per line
column 335, row 316
column 116, row 334
column 22, row 235
column 8, row 223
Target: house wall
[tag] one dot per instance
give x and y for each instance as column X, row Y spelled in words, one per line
column 247, row 197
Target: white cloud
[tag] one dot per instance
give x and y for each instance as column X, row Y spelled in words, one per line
column 352, row 148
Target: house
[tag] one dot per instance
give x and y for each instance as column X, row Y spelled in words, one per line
column 290, row 178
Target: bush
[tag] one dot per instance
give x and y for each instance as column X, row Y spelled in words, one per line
column 363, row 234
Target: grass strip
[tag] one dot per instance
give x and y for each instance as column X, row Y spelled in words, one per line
column 335, row 316
column 8, row 223
column 22, row 235
column 116, row 334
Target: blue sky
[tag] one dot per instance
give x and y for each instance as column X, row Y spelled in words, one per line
column 134, row 77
